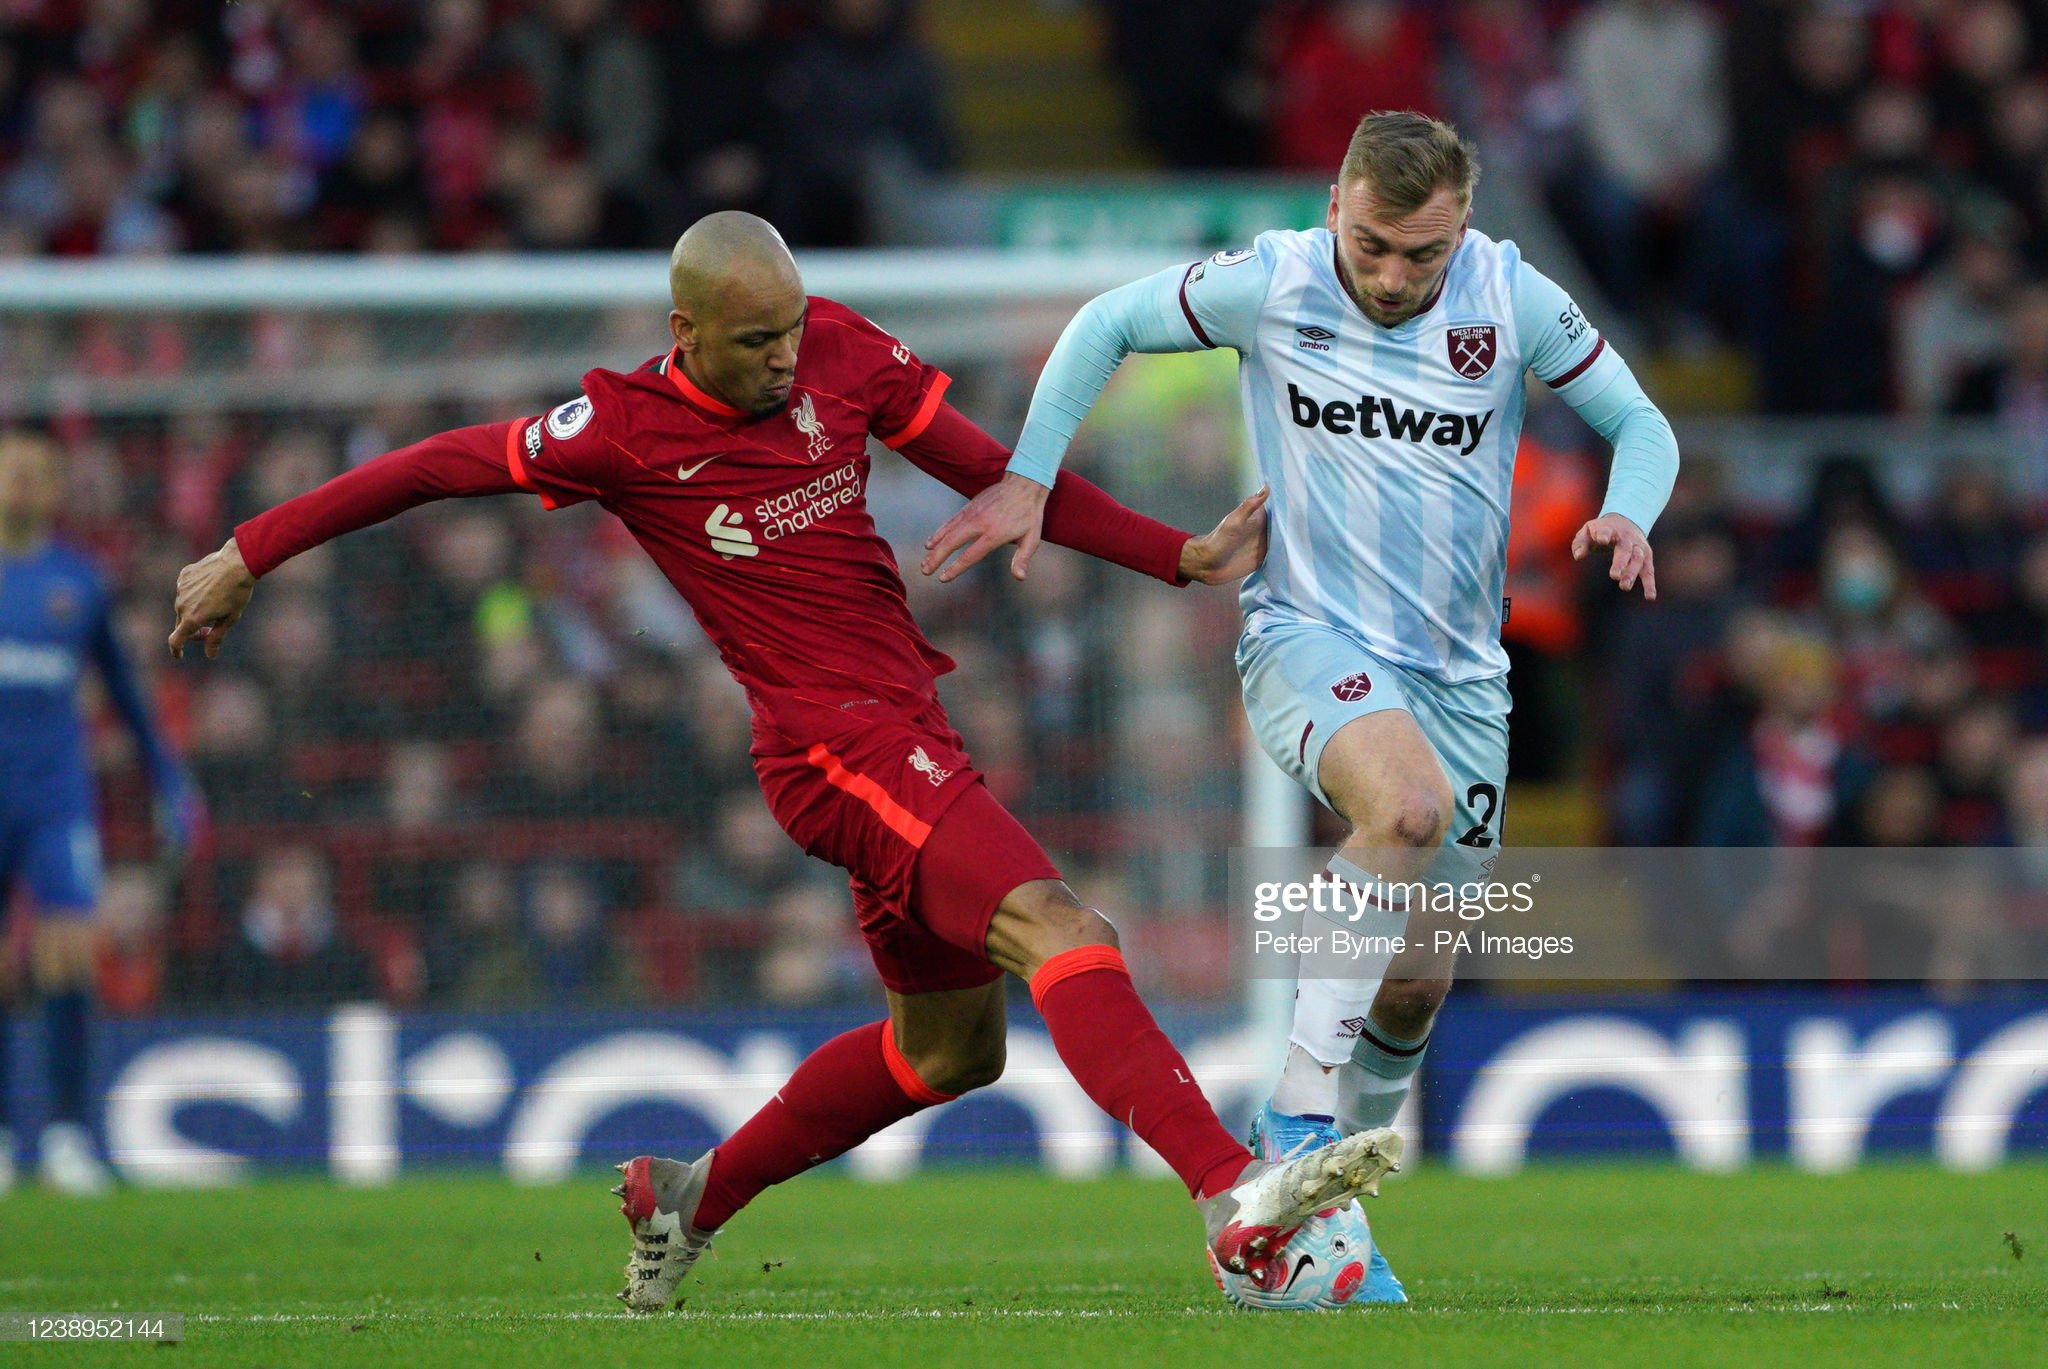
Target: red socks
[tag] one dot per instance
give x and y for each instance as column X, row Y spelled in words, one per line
column 856, row 1084
column 1121, row 1059
column 844, row 1092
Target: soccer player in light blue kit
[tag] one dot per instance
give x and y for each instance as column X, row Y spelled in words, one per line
column 1381, row 375
column 56, row 620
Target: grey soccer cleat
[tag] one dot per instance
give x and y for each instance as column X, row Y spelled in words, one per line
column 661, row 1197
column 1255, row 1216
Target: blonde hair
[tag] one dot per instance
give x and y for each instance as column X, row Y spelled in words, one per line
column 1407, row 157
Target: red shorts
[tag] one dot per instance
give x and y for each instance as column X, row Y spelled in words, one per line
column 898, row 805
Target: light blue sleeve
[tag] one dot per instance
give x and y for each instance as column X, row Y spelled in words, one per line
column 1567, row 354
column 1211, row 303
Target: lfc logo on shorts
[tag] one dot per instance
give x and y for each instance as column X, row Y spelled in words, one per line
column 1471, row 347
column 1352, row 688
column 924, row 764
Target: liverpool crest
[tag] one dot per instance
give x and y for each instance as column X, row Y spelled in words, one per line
column 805, row 416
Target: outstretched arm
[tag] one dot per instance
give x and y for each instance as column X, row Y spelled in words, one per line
column 1210, row 303
column 1082, row 515
column 1644, row 470
column 213, row 591
column 1575, row 361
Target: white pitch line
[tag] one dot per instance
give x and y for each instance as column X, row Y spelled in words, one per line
column 996, row 1311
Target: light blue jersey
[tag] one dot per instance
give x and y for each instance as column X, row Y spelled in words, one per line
column 1390, row 451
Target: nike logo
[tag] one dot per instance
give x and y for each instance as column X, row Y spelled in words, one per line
column 1306, row 1262
column 685, row 472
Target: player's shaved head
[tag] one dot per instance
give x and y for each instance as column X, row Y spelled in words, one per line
column 724, row 250
column 739, row 310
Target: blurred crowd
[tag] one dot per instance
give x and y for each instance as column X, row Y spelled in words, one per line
column 483, row 756
column 1851, row 677
column 149, row 126
column 1853, row 194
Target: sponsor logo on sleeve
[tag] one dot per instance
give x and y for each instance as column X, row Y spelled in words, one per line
column 901, row 353
column 566, row 420
column 1233, row 256
column 533, row 440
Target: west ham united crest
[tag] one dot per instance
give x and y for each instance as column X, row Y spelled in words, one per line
column 1352, row 688
column 1471, row 346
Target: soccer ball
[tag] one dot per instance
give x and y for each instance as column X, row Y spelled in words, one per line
column 1321, row 1267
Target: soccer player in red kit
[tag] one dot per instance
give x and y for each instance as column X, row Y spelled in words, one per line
column 743, row 473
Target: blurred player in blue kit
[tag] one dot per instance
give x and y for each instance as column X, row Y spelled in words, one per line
column 56, row 620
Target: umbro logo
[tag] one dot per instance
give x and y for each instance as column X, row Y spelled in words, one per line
column 1315, row 338
column 729, row 536
column 1353, row 1026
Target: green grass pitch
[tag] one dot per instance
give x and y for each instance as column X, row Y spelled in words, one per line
column 1635, row 1265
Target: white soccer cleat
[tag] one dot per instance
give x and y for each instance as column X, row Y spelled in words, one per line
column 660, row 1198
column 1254, row 1218
column 67, row 1163
column 6, row 1161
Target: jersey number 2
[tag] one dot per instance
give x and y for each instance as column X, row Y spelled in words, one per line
column 1479, row 836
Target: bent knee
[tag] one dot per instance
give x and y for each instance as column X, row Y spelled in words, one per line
column 967, row 1075
column 959, row 1071
column 1418, row 816
column 1039, row 921
column 1062, row 922
column 1422, row 821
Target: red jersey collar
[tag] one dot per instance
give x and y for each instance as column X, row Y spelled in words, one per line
column 673, row 366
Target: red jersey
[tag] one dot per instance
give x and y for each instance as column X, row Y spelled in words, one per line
column 761, row 523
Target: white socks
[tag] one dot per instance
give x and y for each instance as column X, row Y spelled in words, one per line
column 1330, row 1014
